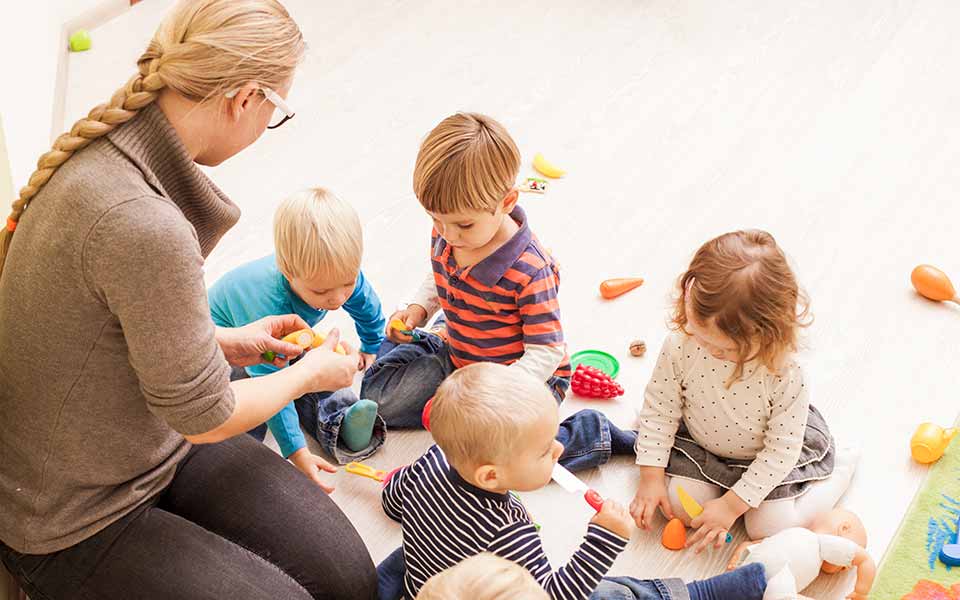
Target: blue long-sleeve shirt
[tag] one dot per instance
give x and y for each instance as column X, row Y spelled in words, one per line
column 258, row 289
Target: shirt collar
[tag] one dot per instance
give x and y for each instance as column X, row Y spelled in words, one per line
column 492, row 269
column 460, row 482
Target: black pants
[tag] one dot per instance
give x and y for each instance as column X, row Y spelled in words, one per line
column 237, row 522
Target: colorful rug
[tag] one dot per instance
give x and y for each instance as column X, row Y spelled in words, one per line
column 911, row 569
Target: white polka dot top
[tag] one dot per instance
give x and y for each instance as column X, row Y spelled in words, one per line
column 762, row 417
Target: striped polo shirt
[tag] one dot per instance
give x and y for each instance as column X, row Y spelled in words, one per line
column 445, row 520
column 499, row 304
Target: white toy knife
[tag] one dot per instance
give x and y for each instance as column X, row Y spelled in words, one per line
column 574, row 485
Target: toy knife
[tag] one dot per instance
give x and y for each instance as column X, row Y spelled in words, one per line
column 693, row 507
column 574, row 485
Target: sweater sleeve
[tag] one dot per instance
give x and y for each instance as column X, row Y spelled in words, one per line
column 285, row 427
column 367, row 313
column 426, row 296
column 392, row 495
column 660, row 416
column 520, row 542
column 143, row 261
column 782, row 440
column 540, row 361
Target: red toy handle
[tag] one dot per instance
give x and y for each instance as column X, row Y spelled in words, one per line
column 593, row 499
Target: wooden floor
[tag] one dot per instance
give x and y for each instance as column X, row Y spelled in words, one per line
column 832, row 125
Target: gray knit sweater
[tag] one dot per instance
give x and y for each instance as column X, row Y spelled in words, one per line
column 107, row 350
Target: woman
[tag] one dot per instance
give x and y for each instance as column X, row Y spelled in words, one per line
column 122, row 473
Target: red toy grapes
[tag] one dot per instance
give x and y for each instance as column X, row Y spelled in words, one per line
column 591, row 382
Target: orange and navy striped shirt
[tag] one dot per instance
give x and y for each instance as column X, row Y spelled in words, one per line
column 499, row 304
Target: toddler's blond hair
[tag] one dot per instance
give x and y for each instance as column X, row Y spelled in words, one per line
column 483, row 411
column 467, row 163
column 318, row 235
column 483, row 577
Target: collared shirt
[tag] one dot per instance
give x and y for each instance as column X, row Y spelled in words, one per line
column 505, row 301
column 446, row 519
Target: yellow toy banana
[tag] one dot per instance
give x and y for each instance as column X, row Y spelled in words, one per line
column 546, row 167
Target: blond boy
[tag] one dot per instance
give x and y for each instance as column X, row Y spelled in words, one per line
column 316, row 269
column 483, row 577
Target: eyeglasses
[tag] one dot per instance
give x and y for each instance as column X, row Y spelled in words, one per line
column 283, row 112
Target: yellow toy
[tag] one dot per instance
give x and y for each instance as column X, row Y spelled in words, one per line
column 365, row 471
column 929, row 442
column 305, row 338
column 693, row 508
column 546, row 167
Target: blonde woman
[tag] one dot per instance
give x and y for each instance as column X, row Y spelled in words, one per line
column 114, row 384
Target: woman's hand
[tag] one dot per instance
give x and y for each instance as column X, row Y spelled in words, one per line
column 325, row 370
column 715, row 521
column 243, row 346
column 651, row 494
column 310, row 465
column 412, row 316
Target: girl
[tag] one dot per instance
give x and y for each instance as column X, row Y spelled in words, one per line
column 726, row 413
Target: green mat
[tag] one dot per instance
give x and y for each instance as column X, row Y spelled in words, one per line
column 931, row 521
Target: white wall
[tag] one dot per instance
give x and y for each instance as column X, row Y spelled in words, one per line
column 29, row 49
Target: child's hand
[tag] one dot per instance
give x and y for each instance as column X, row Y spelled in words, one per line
column 651, row 494
column 366, row 361
column 614, row 517
column 715, row 521
column 412, row 316
column 311, row 465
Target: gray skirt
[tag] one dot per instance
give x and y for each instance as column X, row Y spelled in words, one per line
column 688, row 460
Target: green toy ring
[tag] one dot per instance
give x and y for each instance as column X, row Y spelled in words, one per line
column 597, row 359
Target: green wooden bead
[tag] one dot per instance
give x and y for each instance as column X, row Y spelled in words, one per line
column 80, row 41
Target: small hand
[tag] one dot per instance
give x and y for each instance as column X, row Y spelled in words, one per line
column 311, row 465
column 614, row 517
column 366, row 361
column 243, row 346
column 651, row 493
column 712, row 525
column 412, row 316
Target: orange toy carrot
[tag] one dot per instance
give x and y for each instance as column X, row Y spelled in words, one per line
column 934, row 284
column 611, row 288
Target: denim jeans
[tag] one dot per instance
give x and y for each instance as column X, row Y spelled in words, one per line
column 321, row 414
column 745, row 583
column 406, row 376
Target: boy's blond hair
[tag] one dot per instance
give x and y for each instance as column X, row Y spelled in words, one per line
column 467, row 163
column 318, row 235
column 483, row 577
column 483, row 411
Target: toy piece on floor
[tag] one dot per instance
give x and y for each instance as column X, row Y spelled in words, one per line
column 674, row 535
column 950, row 553
column 80, row 41
column 638, row 348
column 693, row 508
column 425, row 415
column 305, row 338
column 546, row 167
column 365, row 471
column 929, row 442
column 594, row 383
column 932, row 283
column 612, row 288
column 534, row 185
column 598, row 359
column 574, row 485
column 401, row 327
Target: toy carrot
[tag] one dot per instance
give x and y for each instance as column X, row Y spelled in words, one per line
column 934, row 284
column 611, row 288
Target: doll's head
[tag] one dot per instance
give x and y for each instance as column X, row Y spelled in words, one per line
column 841, row 523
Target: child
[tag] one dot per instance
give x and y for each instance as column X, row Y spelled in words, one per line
column 726, row 412
column 495, row 282
column 495, row 431
column 483, row 577
column 794, row 557
column 316, row 268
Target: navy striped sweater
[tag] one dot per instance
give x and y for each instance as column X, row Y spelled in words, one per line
column 446, row 520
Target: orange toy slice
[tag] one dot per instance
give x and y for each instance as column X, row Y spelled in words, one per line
column 674, row 535
column 308, row 338
column 932, row 283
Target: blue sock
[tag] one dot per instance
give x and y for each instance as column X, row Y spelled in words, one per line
column 746, row 583
column 357, row 426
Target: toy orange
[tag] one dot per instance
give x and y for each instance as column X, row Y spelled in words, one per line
column 930, row 282
column 305, row 338
column 674, row 535
column 611, row 288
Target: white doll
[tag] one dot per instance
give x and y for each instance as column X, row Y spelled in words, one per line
column 794, row 557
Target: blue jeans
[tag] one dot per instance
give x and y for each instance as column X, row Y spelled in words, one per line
column 321, row 414
column 745, row 583
column 406, row 376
